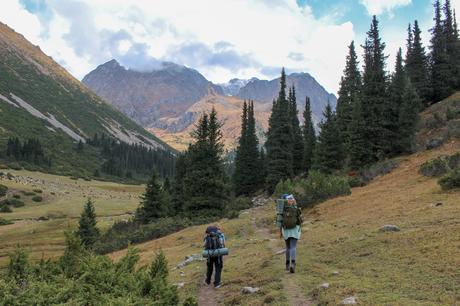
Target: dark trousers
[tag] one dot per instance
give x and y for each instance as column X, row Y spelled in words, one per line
column 218, row 263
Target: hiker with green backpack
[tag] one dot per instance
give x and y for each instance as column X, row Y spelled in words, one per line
column 289, row 221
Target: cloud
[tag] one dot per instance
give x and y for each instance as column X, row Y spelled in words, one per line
column 296, row 56
column 377, row 7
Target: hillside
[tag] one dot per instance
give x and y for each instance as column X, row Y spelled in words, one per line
column 341, row 246
column 39, row 99
column 169, row 100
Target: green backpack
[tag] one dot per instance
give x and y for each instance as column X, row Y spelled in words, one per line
column 290, row 216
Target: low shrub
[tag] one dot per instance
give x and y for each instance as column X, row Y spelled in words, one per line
column 37, row 199
column 28, row 193
column 38, row 191
column 3, row 190
column 286, row 186
column 14, row 166
column 5, row 208
column 16, row 203
column 450, row 180
column 319, row 187
column 5, row 222
column 380, row 168
column 16, row 196
column 233, row 208
column 435, row 167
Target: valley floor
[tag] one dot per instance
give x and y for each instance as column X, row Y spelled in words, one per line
column 341, row 246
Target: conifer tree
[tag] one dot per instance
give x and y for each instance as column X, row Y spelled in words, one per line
column 279, row 140
column 298, row 145
column 309, row 137
column 350, row 86
column 417, row 64
column 408, row 118
column 87, row 229
column 452, row 45
column 241, row 159
column 359, row 149
column 256, row 177
column 178, row 189
column 153, row 204
column 441, row 73
column 374, row 97
column 329, row 154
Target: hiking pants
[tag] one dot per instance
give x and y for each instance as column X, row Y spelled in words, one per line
column 291, row 248
column 218, row 263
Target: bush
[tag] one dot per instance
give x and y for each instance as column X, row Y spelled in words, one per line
column 450, row 114
column 319, row 187
column 16, row 203
column 14, row 166
column 451, row 180
column 37, row 199
column 3, row 190
column 5, row 208
column 16, row 196
column 283, row 187
column 233, row 208
column 435, row 167
column 38, row 191
column 377, row 169
column 5, row 222
column 28, row 193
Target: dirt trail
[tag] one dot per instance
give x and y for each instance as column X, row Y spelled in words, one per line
column 293, row 291
column 208, row 296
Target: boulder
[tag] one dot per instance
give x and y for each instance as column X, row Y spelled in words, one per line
column 389, row 228
column 249, row 290
column 189, row 259
column 434, row 143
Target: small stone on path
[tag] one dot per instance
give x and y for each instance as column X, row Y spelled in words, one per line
column 335, row 273
column 389, row 228
column 349, row 301
column 249, row 290
column 280, row 252
column 324, row 286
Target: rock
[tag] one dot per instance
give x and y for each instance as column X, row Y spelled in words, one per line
column 189, row 259
column 349, row 301
column 438, row 204
column 280, row 252
column 249, row 290
column 335, row 273
column 180, row 285
column 389, row 228
column 182, row 274
column 433, row 143
column 324, row 286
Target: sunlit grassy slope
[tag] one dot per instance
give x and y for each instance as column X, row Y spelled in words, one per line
column 342, row 245
column 63, row 200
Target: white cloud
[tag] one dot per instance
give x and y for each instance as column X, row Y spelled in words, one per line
column 16, row 16
column 377, row 7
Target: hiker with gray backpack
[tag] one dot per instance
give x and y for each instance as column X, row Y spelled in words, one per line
column 289, row 221
column 214, row 250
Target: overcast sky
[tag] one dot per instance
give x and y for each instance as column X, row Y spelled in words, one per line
column 222, row 39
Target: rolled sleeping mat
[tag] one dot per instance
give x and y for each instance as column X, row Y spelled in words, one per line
column 280, row 205
column 279, row 220
column 215, row 253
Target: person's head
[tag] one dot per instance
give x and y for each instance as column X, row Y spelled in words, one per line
column 291, row 200
column 219, row 227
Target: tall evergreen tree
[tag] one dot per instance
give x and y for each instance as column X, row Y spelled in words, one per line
column 253, row 151
column 441, row 73
column 350, row 86
column 374, row 96
column 178, row 188
column 396, row 94
column 153, row 204
column 417, row 64
column 87, row 229
column 309, row 137
column 241, row 158
column 452, row 45
column 329, row 154
column 279, row 140
column 359, row 149
column 205, row 183
column 297, row 146
column 408, row 118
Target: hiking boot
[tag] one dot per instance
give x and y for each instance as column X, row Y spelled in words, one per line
column 292, row 268
column 287, row 265
column 218, row 286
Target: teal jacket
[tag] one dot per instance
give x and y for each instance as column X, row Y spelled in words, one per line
column 292, row 232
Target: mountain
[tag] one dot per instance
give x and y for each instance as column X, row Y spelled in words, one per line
column 148, row 96
column 170, row 99
column 265, row 91
column 39, row 99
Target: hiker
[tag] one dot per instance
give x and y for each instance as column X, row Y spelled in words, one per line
column 214, row 239
column 290, row 230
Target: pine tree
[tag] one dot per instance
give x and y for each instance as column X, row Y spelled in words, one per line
column 439, row 62
column 241, row 159
column 279, row 140
column 408, row 118
column 297, row 146
column 359, row 150
column 87, row 229
column 417, row 64
column 350, row 86
column 452, row 45
column 329, row 154
column 309, row 137
column 396, row 91
column 374, row 97
column 152, row 204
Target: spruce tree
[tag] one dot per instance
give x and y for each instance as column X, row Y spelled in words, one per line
column 417, row 64
column 309, row 137
column 374, row 96
column 178, row 188
column 153, row 204
column 408, row 118
column 329, row 153
column 87, row 230
column 241, row 158
column 350, row 85
column 441, row 73
column 255, row 165
column 359, row 148
column 396, row 94
column 297, row 146
column 279, row 142
column 452, row 45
